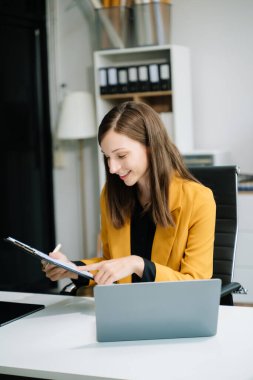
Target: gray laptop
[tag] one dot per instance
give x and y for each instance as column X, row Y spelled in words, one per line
column 182, row 309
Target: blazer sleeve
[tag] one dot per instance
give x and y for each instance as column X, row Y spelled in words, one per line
column 197, row 259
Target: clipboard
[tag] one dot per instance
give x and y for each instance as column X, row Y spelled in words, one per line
column 42, row 256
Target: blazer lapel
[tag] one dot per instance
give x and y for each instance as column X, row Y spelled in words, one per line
column 164, row 240
column 164, row 237
column 120, row 246
column 120, row 241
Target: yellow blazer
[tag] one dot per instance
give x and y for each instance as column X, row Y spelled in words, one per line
column 180, row 252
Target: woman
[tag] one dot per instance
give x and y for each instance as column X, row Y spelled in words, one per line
column 157, row 221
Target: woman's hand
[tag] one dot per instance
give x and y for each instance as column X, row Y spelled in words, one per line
column 109, row 271
column 55, row 273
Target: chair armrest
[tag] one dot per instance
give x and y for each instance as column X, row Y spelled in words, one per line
column 230, row 288
column 82, row 291
column 69, row 290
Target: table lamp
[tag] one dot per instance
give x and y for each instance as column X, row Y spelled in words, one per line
column 77, row 122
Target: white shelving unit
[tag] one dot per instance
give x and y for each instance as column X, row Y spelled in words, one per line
column 177, row 101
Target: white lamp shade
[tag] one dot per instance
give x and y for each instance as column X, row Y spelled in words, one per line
column 77, row 117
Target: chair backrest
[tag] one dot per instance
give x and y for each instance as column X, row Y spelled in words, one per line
column 222, row 180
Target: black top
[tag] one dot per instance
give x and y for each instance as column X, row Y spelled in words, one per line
column 142, row 236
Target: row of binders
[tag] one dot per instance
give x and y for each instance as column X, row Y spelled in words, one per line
column 140, row 78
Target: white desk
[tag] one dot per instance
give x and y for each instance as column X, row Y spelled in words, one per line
column 59, row 342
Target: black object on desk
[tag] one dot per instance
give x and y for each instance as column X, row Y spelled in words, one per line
column 11, row 311
column 245, row 182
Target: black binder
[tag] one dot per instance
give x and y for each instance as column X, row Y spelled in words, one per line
column 103, row 81
column 112, row 77
column 133, row 84
column 122, row 79
column 144, row 83
column 154, row 77
column 165, row 76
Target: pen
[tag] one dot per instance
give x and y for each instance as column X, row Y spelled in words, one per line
column 57, row 248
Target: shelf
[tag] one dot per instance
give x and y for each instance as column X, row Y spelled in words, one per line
column 136, row 95
column 161, row 101
column 134, row 50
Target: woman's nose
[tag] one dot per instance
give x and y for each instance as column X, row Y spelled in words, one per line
column 114, row 166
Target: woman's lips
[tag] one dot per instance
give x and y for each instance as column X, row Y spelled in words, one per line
column 124, row 176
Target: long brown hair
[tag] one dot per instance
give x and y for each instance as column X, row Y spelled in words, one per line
column 141, row 123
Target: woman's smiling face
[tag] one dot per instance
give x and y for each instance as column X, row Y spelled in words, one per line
column 126, row 158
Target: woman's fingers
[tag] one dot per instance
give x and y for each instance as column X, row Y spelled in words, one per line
column 54, row 272
column 109, row 271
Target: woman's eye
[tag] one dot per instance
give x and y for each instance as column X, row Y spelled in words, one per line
column 122, row 156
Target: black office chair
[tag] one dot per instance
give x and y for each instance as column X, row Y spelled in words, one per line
column 222, row 180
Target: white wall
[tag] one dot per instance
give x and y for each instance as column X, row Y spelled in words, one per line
column 219, row 34
column 70, row 63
